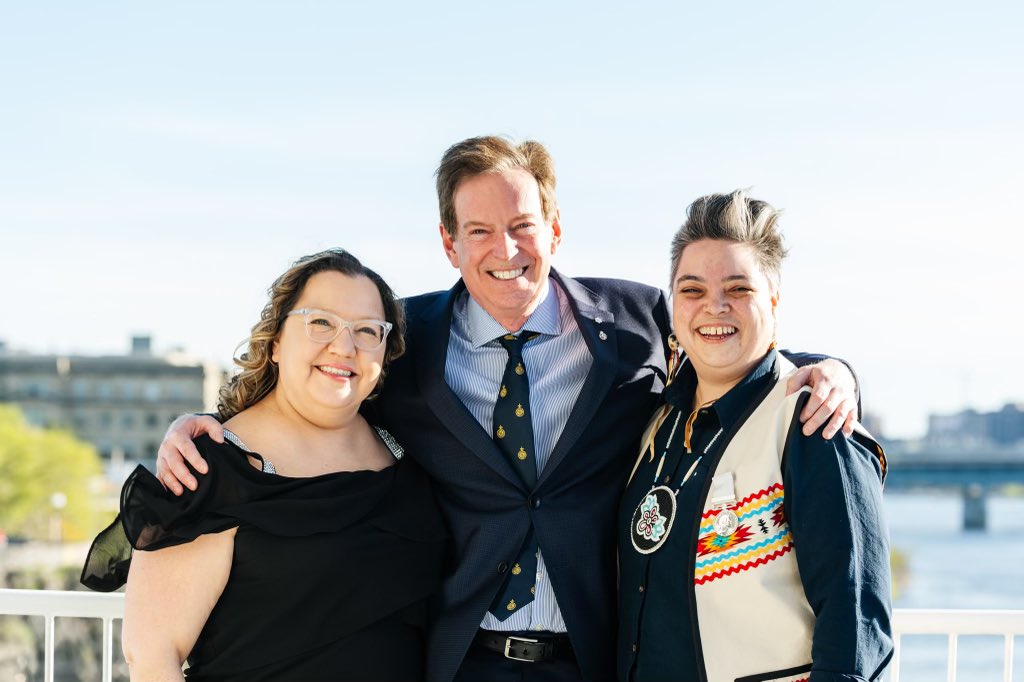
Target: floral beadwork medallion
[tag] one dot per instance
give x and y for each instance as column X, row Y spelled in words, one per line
column 652, row 520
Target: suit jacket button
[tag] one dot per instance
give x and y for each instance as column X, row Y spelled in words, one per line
column 502, row 567
column 534, row 502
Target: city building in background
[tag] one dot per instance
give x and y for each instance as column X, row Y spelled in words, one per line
column 121, row 404
column 970, row 428
column 966, row 431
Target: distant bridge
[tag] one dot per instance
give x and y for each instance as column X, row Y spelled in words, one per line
column 974, row 473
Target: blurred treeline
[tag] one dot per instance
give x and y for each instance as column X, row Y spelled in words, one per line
column 51, row 483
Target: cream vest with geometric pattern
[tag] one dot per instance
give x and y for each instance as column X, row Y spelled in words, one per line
column 752, row 615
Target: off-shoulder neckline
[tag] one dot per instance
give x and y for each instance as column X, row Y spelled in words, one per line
column 267, row 467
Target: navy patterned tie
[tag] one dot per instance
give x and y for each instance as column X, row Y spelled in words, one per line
column 513, row 432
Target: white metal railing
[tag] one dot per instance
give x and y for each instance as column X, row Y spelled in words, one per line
column 52, row 604
column 953, row 623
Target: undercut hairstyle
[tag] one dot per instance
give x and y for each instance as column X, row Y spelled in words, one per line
column 492, row 154
column 734, row 217
column 258, row 375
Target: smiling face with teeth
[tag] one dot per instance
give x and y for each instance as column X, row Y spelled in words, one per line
column 502, row 245
column 327, row 381
column 723, row 312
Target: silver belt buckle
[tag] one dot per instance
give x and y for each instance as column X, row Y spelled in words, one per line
column 508, row 645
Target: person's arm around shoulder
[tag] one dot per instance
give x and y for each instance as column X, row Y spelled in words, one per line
column 833, row 397
column 177, row 447
column 171, row 593
column 833, row 503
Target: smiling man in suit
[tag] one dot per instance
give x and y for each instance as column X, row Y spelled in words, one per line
column 523, row 393
column 594, row 364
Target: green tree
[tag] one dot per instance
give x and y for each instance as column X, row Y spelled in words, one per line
column 37, row 463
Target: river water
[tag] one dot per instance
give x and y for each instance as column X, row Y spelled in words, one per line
column 951, row 568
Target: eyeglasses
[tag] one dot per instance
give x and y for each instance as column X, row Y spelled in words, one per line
column 324, row 327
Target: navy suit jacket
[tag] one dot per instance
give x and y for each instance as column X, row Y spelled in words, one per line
column 573, row 505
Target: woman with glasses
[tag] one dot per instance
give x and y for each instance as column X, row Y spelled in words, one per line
column 310, row 546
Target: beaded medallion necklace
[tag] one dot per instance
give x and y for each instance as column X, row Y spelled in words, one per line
column 653, row 518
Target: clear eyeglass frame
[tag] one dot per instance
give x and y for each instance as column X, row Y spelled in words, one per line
column 323, row 327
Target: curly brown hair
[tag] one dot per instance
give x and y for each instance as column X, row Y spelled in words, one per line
column 259, row 374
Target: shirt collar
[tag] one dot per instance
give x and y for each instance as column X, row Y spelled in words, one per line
column 734, row 404
column 482, row 328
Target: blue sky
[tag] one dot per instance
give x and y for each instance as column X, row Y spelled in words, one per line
column 161, row 164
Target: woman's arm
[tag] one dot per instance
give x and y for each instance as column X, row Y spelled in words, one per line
column 170, row 594
column 833, row 503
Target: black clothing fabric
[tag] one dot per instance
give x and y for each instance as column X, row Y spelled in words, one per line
column 329, row 577
column 482, row 664
column 523, row 656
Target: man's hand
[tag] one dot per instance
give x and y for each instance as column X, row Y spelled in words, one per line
column 178, row 447
column 833, row 395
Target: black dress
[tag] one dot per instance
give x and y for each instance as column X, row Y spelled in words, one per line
column 330, row 574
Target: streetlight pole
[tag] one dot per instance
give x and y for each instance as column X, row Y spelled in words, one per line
column 58, row 501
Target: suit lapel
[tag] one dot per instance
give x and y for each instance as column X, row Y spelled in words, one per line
column 597, row 325
column 430, row 354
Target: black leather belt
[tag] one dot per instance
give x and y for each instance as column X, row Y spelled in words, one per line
column 530, row 647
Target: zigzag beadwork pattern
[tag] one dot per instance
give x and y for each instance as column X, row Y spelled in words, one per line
column 749, row 506
column 763, row 535
column 744, row 559
column 773, row 488
column 779, row 539
column 760, row 561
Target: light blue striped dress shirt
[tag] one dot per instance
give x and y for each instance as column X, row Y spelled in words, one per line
column 557, row 363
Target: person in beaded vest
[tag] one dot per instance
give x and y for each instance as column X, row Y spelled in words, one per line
column 748, row 551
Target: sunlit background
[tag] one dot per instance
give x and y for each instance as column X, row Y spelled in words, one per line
column 162, row 163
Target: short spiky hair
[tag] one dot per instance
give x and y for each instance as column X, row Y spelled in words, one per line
column 492, row 154
column 734, row 217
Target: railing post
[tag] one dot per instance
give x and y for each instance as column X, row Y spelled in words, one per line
column 108, row 650
column 1008, row 658
column 951, row 659
column 48, row 644
column 894, row 664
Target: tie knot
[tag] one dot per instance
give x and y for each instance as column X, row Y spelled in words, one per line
column 513, row 344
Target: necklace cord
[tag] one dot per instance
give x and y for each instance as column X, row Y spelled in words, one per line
column 688, row 430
